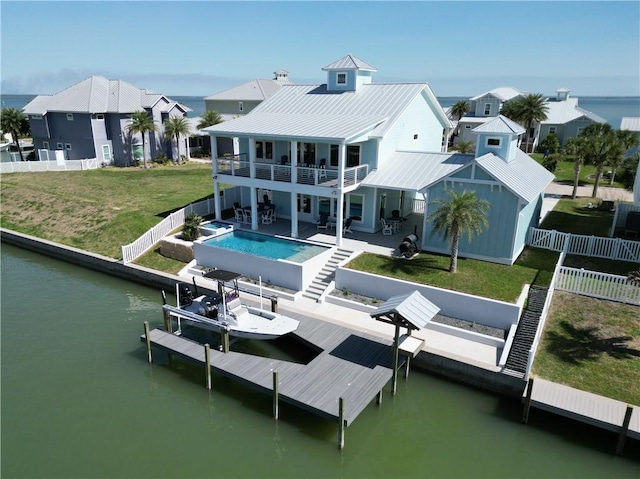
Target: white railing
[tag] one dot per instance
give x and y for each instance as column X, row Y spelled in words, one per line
column 582, row 245
column 543, row 315
column 35, row 166
column 136, row 249
column 598, row 285
column 620, row 216
column 418, row 207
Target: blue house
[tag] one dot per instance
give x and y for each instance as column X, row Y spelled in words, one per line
column 352, row 148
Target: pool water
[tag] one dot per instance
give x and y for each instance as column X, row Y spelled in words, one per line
column 215, row 224
column 266, row 246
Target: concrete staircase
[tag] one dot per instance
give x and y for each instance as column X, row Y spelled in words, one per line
column 326, row 274
column 516, row 364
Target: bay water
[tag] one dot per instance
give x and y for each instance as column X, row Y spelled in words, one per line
column 80, row 400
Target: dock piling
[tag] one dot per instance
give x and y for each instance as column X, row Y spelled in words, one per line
column 148, row 341
column 624, row 429
column 168, row 327
column 341, row 423
column 379, row 398
column 275, row 395
column 207, row 364
column 527, row 402
column 225, row 340
column 396, row 345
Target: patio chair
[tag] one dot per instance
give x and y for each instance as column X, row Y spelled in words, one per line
column 387, row 229
column 323, row 168
column 239, row 215
column 246, row 216
column 267, row 217
column 323, row 223
column 347, row 225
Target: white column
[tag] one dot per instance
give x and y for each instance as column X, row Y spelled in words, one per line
column 339, row 215
column 252, row 174
column 216, row 184
column 294, row 195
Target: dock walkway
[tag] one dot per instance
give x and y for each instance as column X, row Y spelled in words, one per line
column 353, row 366
column 583, row 406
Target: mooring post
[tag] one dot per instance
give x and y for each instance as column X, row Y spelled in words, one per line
column 341, row 423
column 379, row 398
column 527, row 402
column 225, row 340
column 207, row 363
column 274, row 304
column 396, row 341
column 406, row 370
column 168, row 327
column 148, row 339
column 275, row 395
column 623, row 430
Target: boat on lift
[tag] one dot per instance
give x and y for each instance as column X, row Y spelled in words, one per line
column 224, row 311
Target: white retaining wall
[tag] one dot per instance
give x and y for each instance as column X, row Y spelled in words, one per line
column 489, row 312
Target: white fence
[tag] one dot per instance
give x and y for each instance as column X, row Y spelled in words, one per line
column 133, row 250
column 598, row 285
column 596, row 246
column 34, row 166
column 418, row 206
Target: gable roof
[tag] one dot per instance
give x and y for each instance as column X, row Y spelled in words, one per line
column 314, row 112
column 350, row 62
column 631, row 123
column 253, row 90
column 96, row 94
column 561, row 112
column 414, row 308
column 502, row 93
column 500, row 124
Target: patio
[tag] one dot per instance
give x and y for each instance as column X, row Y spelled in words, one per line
column 356, row 241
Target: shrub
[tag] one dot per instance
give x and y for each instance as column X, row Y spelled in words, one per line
column 550, row 143
column 161, row 159
column 551, row 162
column 190, row 229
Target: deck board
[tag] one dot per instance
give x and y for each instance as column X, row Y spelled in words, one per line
column 351, row 365
column 584, row 406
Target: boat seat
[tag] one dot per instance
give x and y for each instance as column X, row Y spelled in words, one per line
column 233, row 304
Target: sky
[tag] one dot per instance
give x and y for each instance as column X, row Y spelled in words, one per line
column 205, row 47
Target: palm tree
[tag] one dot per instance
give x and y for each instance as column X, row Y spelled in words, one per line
column 175, row 127
column 511, row 109
column 600, row 145
column 209, row 118
column 460, row 109
column 464, row 147
column 532, row 109
column 634, row 276
column 142, row 122
column 14, row 121
column 460, row 214
column 575, row 147
column 626, row 140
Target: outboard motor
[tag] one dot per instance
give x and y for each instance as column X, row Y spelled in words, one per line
column 408, row 246
column 185, row 295
column 209, row 305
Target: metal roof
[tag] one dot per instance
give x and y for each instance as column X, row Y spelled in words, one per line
column 350, row 62
column 502, row 93
column 96, row 94
column 564, row 111
column 523, row 176
column 253, row 90
column 631, row 123
column 312, row 111
column 418, row 170
column 413, row 308
column 500, row 124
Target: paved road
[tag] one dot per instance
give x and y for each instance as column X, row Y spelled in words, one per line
column 604, row 192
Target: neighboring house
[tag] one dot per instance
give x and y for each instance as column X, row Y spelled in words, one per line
column 355, row 149
column 564, row 117
column 631, row 123
column 90, row 119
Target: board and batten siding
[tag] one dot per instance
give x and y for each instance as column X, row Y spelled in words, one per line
column 77, row 132
column 419, row 118
column 478, row 109
column 496, row 241
column 529, row 216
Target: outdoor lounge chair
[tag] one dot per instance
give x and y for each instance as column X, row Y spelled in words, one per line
column 323, row 223
column 387, row 229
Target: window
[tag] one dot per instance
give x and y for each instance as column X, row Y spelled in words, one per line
column 355, row 207
column 70, row 116
column 264, row 150
column 67, row 146
column 552, row 129
column 342, row 78
column 59, row 146
column 36, row 117
column 487, row 108
column 333, row 156
column 240, row 106
column 467, row 127
column 353, row 155
column 99, row 116
column 493, row 141
column 307, row 153
column 580, row 130
column 45, row 145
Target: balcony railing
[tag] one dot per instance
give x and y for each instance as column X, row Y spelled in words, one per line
column 238, row 166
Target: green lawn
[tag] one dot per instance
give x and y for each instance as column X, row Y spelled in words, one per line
column 565, row 172
column 572, row 216
column 480, row 278
column 593, row 345
column 99, row 210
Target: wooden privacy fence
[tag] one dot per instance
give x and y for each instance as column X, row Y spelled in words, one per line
column 597, row 285
column 582, row 245
column 133, row 250
column 34, row 166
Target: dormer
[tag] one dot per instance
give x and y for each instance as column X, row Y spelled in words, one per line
column 348, row 74
column 499, row 137
column 562, row 94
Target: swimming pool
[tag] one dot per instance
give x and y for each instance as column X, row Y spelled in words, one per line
column 266, row 246
column 215, row 228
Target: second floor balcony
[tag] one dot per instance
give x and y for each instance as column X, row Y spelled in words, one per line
column 237, row 165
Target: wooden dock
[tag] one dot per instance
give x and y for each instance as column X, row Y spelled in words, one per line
column 351, row 365
column 600, row 411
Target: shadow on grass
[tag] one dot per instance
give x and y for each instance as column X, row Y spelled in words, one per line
column 164, row 214
column 576, row 345
column 424, row 264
